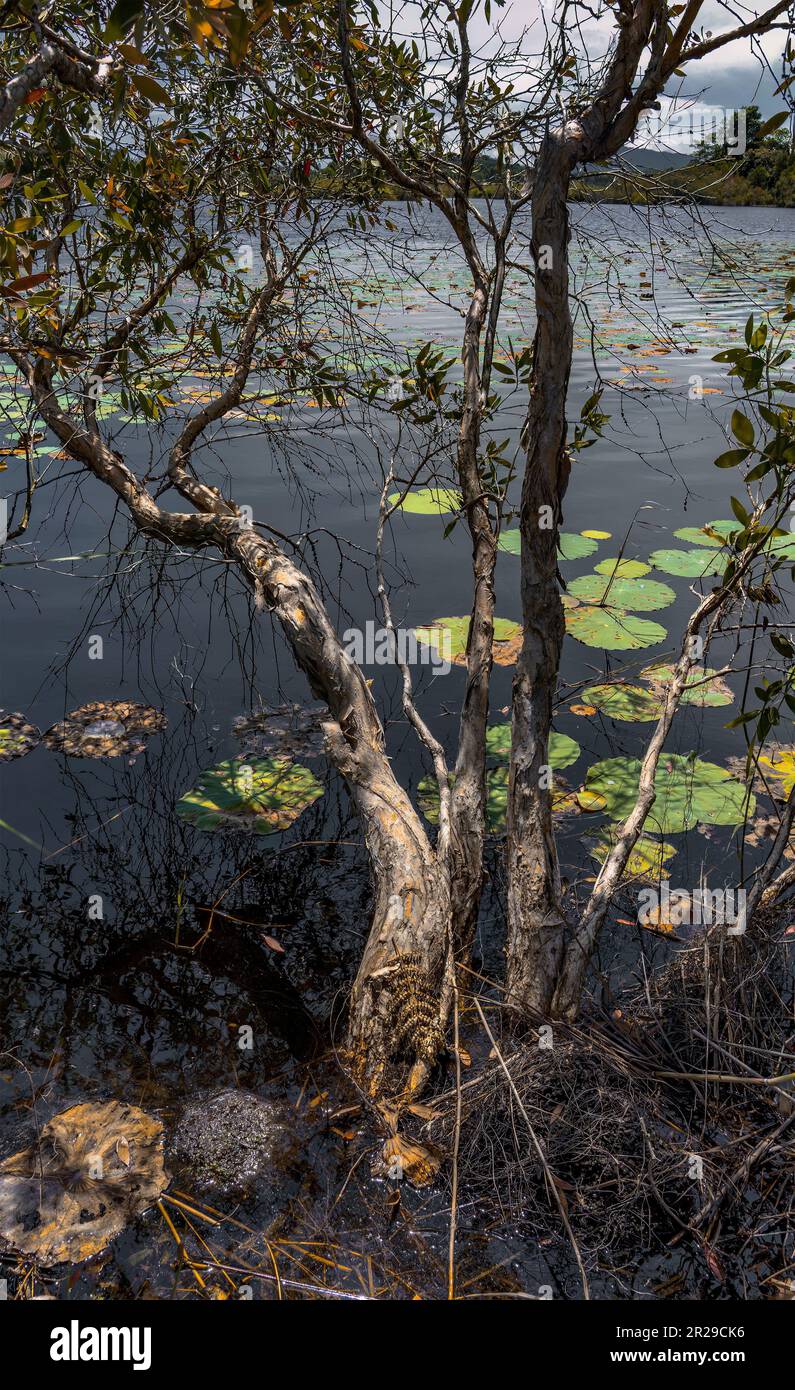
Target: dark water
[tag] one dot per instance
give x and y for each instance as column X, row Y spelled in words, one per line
column 121, row 1006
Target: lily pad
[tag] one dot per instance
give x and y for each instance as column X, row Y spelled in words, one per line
column 597, row 535
column 778, row 769
column 647, row 860
column 564, row 801
column 562, row 751
column 703, row 687
column 428, row 501
column 94, row 1168
column 17, row 737
column 263, row 796
column 688, row 791
column 774, row 774
column 507, row 638
column 696, row 535
column 622, row 569
column 687, row 564
column 638, row 595
column 613, row 629
column 570, row 545
column 628, row 702
column 288, row 731
column 105, row 729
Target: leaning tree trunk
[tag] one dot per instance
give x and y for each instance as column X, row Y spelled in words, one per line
column 411, row 895
column 535, row 919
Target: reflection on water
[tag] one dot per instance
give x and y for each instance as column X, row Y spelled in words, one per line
column 194, row 935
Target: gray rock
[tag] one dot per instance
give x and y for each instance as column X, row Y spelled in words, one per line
column 224, row 1142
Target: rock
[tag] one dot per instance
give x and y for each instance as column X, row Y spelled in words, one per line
column 225, row 1141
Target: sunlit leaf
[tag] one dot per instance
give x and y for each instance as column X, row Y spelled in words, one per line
column 687, row 790
column 262, row 796
column 91, row 1171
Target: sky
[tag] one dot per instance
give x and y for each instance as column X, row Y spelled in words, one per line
column 730, row 78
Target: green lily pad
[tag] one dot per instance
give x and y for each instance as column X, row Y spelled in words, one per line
column 688, row 791
column 562, row 751
column 639, row 595
column 507, row 638
column 613, row 629
column 646, row 861
column 570, row 545
column 263, row 796
column 564, row 800
column 688, row 564
column 622, row 569
column 697, row 535
column 628, row 702
column 17, row 737
column 708, row 689
column 428, row 501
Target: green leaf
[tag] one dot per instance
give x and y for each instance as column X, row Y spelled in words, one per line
column 731, row 458
column 742, row 428
column 703, row 687
column 646, row 861
column 638, row 595
column 612, row 629
column 507, row 638
column 689, row 564
column 562, row 750
column 428, row 501
column 626, row 702
column 262, row 796
column 622, row 569
column 687, row 790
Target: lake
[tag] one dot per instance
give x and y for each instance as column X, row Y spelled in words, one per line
column 118, row 1005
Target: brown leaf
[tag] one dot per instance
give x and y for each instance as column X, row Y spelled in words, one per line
column 273, row 943
column 404, row 1158
column 92, row 1170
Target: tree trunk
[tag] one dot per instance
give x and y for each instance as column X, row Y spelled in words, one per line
column 468, row 800
column 535, row 918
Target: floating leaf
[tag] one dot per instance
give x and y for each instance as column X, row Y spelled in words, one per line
column 610, row 628
column 428, row 501
column 696, row 535
column 646, row 861
column 688, row 564
column 105, row 729
column 628, row 702
column 703, row 686
column 570, row 545
column 622, row 569
column 687, row 789
column 288, row 731
column 17, row 737
column 597, row 535
column 638, row 595
column 778, row 767
column 562, row 751
column 564, row 800
column 507, row 638
column 262, row 796
column 94, row 1168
